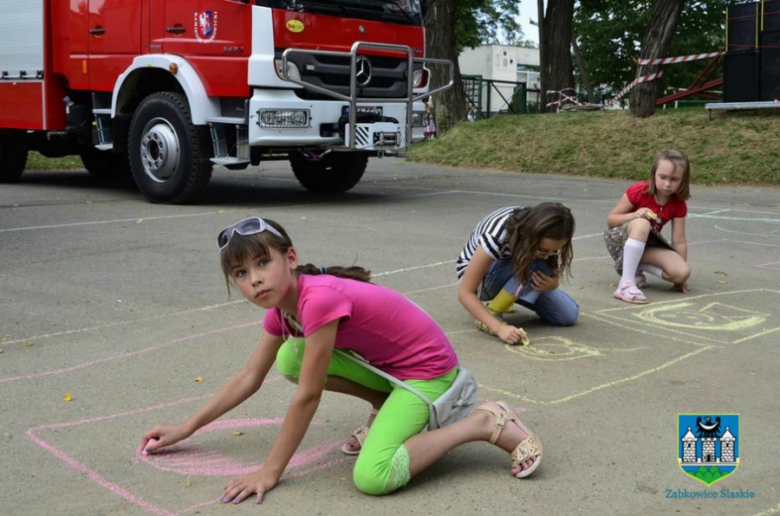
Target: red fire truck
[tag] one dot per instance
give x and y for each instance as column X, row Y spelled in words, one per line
column 165, row 89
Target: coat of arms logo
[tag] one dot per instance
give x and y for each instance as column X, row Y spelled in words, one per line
column 708, row 445
column 206, row 26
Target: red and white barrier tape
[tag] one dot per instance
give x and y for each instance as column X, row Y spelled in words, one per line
column 638, row 80
column 562, row 97
column 678, row 59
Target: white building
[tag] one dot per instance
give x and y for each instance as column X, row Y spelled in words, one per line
column 501, row 63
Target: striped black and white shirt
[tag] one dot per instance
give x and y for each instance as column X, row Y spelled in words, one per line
column 491, row 234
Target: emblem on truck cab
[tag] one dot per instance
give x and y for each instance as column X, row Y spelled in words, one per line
column 295, row 26
column 362, row 71
column 206, row 26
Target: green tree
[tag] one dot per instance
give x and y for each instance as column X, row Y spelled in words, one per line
column 609, row 33
column 487, row 22
column 453, row 25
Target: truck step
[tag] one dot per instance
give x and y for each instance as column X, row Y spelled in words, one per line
column 104, row 146
column 229, row 160
column 233, row 120
column 103, row 111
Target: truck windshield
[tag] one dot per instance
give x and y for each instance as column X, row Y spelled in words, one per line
column 405, row 12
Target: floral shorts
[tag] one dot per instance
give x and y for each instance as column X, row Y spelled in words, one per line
column 616, row 237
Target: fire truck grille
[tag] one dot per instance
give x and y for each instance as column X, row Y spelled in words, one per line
column 388, row 76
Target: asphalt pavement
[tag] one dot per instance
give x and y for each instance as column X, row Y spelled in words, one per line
column 119, row 306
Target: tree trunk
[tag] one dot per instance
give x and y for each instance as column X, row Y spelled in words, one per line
column 450, row 104
column 542, row 59
column 557, row 70
column 656, row 43
column 583, row 71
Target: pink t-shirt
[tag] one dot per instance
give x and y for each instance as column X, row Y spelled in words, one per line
column 674, row 208
column 383, row 326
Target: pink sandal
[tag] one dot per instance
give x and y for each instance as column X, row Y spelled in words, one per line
column 528, row 448
column 628, row 292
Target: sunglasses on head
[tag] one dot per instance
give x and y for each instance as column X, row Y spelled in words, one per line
column 246, row 227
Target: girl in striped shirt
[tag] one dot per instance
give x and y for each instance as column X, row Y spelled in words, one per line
column 518, row 255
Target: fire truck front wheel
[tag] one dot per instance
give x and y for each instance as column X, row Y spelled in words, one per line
column 13, row 158
column 169, row 156
column 336, row 172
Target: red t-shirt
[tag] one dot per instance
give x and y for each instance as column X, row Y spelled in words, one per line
column 675, row 208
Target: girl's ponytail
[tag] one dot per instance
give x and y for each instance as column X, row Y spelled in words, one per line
column 353, row 272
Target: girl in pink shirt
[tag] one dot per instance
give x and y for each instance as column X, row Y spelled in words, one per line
column 634, row 237
column 310, row 313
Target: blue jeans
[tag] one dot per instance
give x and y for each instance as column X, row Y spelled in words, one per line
column 555, row 307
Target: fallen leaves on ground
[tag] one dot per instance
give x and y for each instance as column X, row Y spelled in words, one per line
column 199, row 379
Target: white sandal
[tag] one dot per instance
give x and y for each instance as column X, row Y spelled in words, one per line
column 360, row 435
column 528, row 448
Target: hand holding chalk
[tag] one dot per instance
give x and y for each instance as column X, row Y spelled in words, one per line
column 145, row 451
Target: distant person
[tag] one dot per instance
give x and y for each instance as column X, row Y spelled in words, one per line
column 634, row 237
column 518, row 255
column 472, row 115
column 429, row 132
column 310, row 313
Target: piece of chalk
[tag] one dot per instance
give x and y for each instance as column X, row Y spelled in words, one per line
column 652, row 215
column 150, row 441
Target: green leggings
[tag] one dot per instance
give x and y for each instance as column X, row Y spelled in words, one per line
column 383, row 463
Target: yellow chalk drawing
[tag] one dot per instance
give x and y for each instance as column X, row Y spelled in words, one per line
column 713, row 317
column 554, row 348
column 598, row 387
column 727, row 321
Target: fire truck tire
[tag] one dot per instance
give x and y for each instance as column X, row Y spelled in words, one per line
column 336, row 172
column 13, row 159
column 105, row 164
column 169, row 155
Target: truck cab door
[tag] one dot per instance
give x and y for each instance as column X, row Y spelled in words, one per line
column 114, row 28
column 201, row 28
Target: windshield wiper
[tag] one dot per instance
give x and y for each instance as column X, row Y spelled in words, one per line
column 397, row 3
column 324, row 4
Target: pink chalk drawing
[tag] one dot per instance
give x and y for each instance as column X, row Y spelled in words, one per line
column 192, row 459
column 189, row 459
column 775, row 266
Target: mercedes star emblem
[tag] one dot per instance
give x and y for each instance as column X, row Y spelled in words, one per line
column 362, row 71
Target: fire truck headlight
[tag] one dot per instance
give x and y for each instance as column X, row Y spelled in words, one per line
column 420, row 78
column 283, row 118
column 417, row 118
column 292, row 70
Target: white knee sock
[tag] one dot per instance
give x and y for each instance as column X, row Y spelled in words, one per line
column 652, row 269
column 632, row 253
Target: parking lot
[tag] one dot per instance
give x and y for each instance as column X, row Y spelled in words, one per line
column 122, row 305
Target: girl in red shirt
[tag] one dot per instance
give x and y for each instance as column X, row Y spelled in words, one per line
column 634, row 237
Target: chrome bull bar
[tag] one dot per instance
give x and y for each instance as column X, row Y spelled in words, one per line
column 352, row 97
